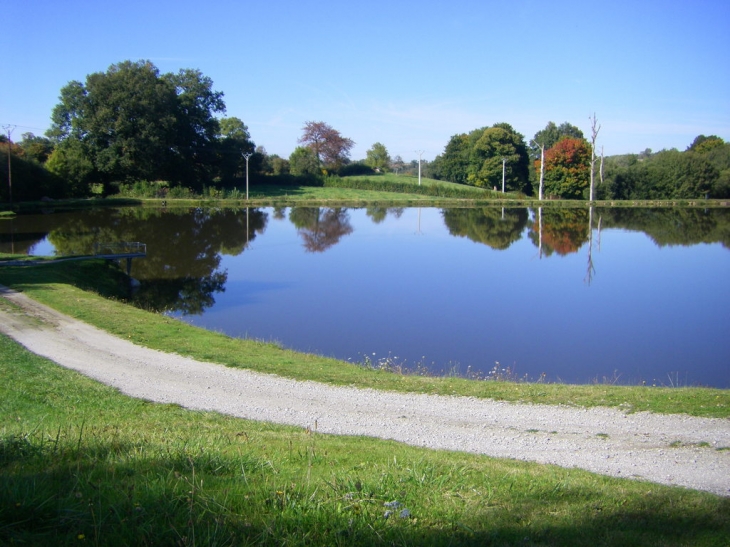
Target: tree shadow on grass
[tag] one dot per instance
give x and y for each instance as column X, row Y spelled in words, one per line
column 64, row 491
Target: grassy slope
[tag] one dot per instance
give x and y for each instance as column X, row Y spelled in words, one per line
column 81, row 463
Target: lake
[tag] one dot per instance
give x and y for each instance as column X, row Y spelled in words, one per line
column 619, row 295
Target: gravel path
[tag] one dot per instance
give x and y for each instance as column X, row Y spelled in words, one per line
column 668, row 449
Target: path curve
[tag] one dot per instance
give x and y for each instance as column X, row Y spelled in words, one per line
column 667, row 449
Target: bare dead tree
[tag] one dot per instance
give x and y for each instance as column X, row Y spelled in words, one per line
column 542, row 170
column 595, row 128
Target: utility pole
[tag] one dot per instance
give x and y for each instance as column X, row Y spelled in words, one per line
column 504, row 168
column 420, row 153
column 9, row 129
column 247, row 155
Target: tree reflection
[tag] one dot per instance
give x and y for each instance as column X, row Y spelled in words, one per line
column 591, row 270
column 379, row 214
column 673, row 226
column 561, row 231
column 320, row 228
column 181, row 270
column 497, row 228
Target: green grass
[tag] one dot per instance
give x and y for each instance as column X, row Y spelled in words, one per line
column 272, row 195
column 408, row 179
column 81, row 464
column 76, row 288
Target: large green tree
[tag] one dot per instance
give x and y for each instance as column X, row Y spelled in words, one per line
column 132, row 123
column 196, row 127
column 234, row 142
column 36, row 148
column 303, row 162
column 498, row 147
column 703, row 144
column 477, row 158
column 378, row 158
column 453, row 164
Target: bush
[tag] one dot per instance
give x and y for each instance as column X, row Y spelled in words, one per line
column 354, row 169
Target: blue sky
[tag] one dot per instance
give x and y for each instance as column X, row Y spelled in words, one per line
column 407, row 74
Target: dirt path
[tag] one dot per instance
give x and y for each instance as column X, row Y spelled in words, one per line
column 667, row 449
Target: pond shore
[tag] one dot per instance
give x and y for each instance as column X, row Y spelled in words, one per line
column 667, row 449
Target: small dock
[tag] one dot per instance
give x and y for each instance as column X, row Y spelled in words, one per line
column 118, row 250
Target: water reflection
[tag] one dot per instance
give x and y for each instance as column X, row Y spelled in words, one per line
column 236, row 270
column 379, row 214
column 496, row 227
column 560, row 231
column 181, row 271
column 320, row 227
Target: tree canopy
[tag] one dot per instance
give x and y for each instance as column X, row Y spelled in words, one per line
column 477, row 158
column 378, row 157
column 567, row 168
column 132, row 123
column 329, row 147
column 550, row 136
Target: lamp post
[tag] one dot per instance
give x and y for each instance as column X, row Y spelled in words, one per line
column 420, row 153
column 504, row 165
column 9, row 129
column 247, row 155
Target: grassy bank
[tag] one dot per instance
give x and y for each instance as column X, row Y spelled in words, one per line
column 82, row 464
column 361, row 191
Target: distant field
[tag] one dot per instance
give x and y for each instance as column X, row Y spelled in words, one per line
column 409, row 179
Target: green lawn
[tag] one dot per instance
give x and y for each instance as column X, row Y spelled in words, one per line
column 83, row 464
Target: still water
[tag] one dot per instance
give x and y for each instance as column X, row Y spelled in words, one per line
column 575, row 296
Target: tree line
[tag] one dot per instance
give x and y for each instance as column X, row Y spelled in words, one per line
column 561, row 162
column 132, row 123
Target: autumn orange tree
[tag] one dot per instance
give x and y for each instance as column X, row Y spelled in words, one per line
column 567, row 168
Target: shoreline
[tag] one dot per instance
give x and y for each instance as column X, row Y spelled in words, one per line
column 668, row 449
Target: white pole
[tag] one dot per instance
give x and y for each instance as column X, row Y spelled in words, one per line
column 420, row 153
column 9, row 128
column 504, row 163
column 247, row 155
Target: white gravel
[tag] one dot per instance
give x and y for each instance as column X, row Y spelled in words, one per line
column 668, row 449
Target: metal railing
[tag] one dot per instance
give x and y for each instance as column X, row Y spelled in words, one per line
column 120, row 248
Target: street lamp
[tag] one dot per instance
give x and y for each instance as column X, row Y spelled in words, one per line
column 9, row 129
column 504, row 165
column 247, row 155
column 420, row 153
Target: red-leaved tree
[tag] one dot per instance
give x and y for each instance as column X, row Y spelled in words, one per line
column 567, row 168
column 330, row 147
